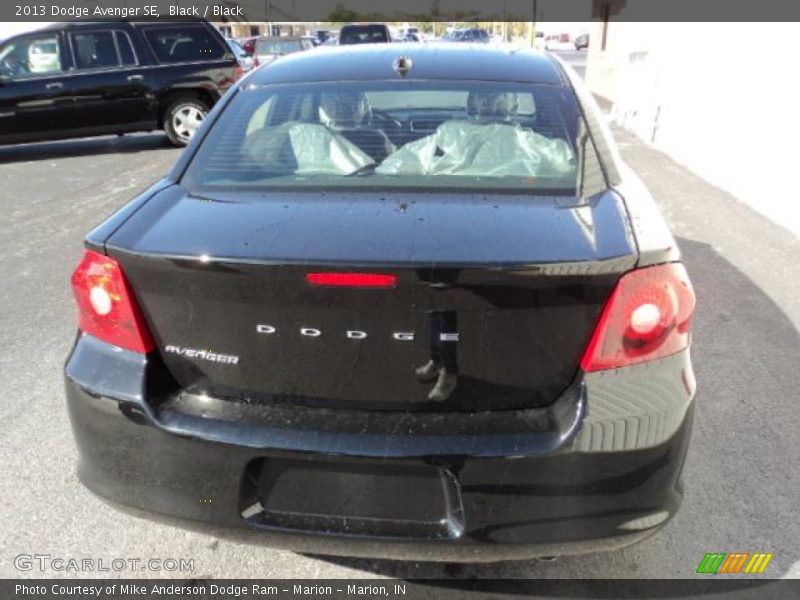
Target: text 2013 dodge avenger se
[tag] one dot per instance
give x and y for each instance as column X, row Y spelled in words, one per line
column 392, row 301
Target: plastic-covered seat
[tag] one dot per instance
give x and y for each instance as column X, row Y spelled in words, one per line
column 296, row 147
column 462, row 147
column 350, row 114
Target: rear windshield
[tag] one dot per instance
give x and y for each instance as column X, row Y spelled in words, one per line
column 363, row 34
column 407, row 134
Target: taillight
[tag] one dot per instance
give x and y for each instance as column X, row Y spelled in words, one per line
column 359, row 280
column 648, row 316
column 106, row 307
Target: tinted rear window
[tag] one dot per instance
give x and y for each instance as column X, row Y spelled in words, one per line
column 94, row 50
column 395, row 134
column 363, row 34
column 184, row 44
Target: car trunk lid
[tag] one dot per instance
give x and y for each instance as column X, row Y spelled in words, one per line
column 496, row 294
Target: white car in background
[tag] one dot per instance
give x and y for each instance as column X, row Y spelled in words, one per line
column 414, row 31
column 245, row 60
column 43, row 56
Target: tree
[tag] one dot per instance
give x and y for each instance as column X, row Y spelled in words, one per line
column 340, row 14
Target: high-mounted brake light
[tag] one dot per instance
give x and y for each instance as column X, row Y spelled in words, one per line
column 357, row 280
column 106, row 307
column 648, row 316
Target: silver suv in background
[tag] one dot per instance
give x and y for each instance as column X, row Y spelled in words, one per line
column 269, row 48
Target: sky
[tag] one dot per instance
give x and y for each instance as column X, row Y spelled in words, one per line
column 9, row 29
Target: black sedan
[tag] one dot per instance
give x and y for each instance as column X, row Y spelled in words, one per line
column 396, row 300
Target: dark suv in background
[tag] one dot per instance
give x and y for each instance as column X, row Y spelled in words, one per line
column 364, row 33
column 479, row 36
column 84, row 79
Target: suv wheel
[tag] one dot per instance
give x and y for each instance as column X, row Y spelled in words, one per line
column 183, row 117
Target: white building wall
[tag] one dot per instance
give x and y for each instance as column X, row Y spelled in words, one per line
column 720, row 98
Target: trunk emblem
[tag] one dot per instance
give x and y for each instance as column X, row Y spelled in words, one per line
column 203, row 354
column 356, row 334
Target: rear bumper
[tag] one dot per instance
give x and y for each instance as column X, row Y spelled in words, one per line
column 577, row 482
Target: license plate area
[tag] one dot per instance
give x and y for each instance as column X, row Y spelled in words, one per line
column 360, row 497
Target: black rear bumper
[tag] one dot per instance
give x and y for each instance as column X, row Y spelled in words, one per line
column 488, row 496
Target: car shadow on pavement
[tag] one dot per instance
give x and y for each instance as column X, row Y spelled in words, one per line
column 739, row 476
column 84, row 147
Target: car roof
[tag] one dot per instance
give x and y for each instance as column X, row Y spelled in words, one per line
column 477, row 62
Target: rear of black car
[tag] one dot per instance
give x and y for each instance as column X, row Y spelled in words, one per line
column 395, row 317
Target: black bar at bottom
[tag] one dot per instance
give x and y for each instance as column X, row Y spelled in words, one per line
column 396, row 589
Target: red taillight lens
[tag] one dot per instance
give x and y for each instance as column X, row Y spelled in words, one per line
column 648, row 316
column 359, row 280
column 106, row 307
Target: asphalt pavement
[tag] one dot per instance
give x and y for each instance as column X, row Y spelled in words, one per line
column 741, row 479
column 576, row 59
